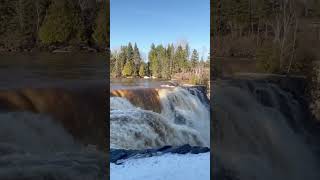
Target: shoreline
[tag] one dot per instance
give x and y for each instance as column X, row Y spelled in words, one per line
column 63, row 49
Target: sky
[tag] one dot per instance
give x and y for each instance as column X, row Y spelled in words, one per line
column 160, row 22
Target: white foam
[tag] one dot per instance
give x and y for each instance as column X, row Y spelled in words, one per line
column 184, row 120
column 255, row 141
column 32, row 146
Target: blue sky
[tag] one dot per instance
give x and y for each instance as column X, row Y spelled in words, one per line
column 160, row 22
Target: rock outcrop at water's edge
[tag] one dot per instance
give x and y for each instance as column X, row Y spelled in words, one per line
column 118, row 155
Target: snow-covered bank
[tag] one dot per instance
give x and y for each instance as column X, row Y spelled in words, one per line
column 165, row 167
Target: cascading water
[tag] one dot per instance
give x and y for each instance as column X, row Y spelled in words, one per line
column 255, row 133
column 33, row 146
column 184, row 119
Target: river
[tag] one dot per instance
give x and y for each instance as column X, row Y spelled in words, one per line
column 152, row 113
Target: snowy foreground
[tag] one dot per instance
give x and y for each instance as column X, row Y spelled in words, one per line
column 164, row 167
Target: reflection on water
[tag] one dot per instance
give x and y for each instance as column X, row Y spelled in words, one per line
column 30, row 70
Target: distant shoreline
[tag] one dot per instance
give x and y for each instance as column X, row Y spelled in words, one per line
column 63, row 49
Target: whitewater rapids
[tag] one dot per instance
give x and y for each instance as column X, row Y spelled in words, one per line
column 33, row 146
column 184, row 119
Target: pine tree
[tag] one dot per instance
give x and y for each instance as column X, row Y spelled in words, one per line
column 136, row 59
column 154, row 64
column 123, row 56
column 142, row 70
column 170, row 55
column 129, row 52
column 179, row 59
column 61, row 24
column 128, row 69
column 100, row 28
column 194, row 58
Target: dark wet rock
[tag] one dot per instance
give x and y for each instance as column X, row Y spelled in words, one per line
column 199, row 91
column 184, row 149
column 118, row 155
column 164, row 148
column 198, row 150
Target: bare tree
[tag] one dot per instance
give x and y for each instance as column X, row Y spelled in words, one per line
column 20, row 12
column 284, row 27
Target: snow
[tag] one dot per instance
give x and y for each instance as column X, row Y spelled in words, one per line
column 164, row 167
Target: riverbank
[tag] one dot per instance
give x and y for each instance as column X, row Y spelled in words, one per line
column 79, row 48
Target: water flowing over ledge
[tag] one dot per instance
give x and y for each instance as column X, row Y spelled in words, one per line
column 80, row 110
column 53, row 132
column 260, row 131
column 143, row 118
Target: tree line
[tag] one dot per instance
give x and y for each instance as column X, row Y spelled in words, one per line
column 270, row 30
column 262, row 16
column 26, row 24
column 163, row 61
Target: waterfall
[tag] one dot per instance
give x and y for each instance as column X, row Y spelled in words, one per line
column 255, row 132
column 33, row 146
column 183, row 118
column 53, row 133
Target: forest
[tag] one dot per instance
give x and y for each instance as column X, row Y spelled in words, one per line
column 164, row 62
column 49, row 24
column 282, row 36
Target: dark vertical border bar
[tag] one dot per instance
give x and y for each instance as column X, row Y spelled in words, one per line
column 213, row 33
column 107, row 24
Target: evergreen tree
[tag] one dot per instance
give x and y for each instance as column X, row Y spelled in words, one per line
column 179, row 59
column 100, row 28
column 163, row 62
column 128, row 69
column 154, row 64
column 61, row 24
column 194, row 58
column 136, row 59
column 186, row 54
column 142, row 70
column 129, row 52
column 170, row 55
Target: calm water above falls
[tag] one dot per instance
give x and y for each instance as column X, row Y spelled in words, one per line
column 133, row 83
